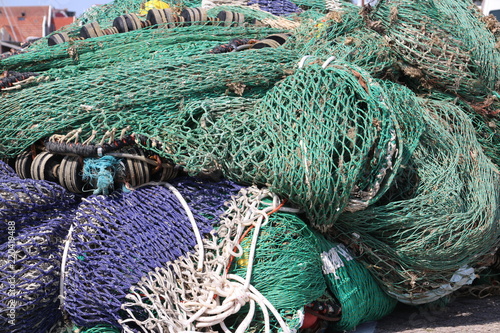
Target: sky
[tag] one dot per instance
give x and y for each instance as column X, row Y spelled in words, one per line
column 78, row 6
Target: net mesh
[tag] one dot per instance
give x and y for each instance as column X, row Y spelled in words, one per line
column 120, row 238
column 438, row 51
column 144, row 107
column 182, row 297
column 34, row 217
column 322, row 137
column 441, row 212
column 277, row 7
column 403, row 181
column 360, row 297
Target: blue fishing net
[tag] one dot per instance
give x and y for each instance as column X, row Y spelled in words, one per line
column 119, row 238
column 276, row 7
column 26, row 202
column 34, row 219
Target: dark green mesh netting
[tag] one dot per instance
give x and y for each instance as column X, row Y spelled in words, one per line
column 438, row 41
column 406, row 182
column 323, row 137
column 440, row 214
column 345, row 35
column 360, row 296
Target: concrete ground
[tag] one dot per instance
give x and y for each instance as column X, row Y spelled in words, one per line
column 463, row 314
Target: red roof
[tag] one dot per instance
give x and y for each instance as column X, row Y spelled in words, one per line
column 25, row 21
column 60, row 22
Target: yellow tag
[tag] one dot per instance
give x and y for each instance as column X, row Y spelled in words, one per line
column 153, row 4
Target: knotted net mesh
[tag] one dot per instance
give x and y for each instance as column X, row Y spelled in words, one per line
column 440, row 216
column 181, row 297
column 34, row 217
column 118, row 239
column 323, row 137
column 148, row 100
column 438, row 40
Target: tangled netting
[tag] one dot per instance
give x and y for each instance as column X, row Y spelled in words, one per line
column 405, row 183
column 98, row 329
column 344, row 34
column 118, row 239
column 143, row 108
column 441, row 215
column 360, row 297
column 324, row 137
column 438, row 41
column 34, row 218
column 277, row 7
column 285, row 242
column 197, row 292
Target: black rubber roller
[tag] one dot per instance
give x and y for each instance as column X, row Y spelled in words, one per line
column 70, row 173
column 266, row 43
column 45, row 166
column 192, row 15
column 23, row 164
column 280, row 38
column 126, row 23
column 58, row 38
column 137, row 170
column 228, row 19
column 91, row 30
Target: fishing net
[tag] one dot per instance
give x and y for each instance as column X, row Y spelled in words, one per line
column 285, row 242
column 198, row 292
column 34, row 216
column 147, row 100
column 324, row 137
column 484, row 117
column 314, row 4
column 120, row 238
column 99, row 329
column 70, row 60
column 438, row 220
column 276, row 7
column 314, row 31
column 438, row 41
column 345, row 34
column 105, row 14
column 25, row 202
column 360, row 297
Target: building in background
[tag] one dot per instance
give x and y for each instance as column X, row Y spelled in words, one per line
column 23, row 24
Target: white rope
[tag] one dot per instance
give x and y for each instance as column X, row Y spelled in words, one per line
column 196, row 230
column 328, row 61
column 185, row 299
column 69, row 238
column 303, row 61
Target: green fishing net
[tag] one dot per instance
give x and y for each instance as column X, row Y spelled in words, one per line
column 438, row 41
column 146, row 93
column 286, row 266
column 323, row 137
column 360, row 297
column 439, row 218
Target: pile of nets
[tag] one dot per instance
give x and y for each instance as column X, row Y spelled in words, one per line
column 117, row 239
column 323, row 137
column 34, row 219
column 148, row 99
column 440, row 216
column 196, row 291
column 379, row 124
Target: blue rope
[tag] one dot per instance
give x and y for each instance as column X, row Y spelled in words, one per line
column 101, row 172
